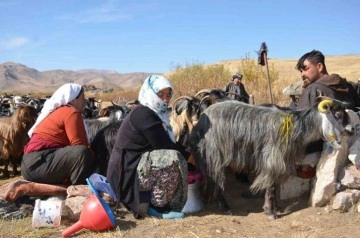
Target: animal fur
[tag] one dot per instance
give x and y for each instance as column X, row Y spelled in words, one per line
column 13, row 136
column 266, row 140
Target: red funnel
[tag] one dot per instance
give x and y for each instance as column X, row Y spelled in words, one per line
column 94, row 216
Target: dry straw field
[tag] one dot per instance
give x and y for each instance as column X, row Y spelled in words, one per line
column 347, row 66
column 188, row 79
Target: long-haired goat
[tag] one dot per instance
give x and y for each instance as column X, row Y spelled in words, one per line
column 13, row 136
column 265, row 140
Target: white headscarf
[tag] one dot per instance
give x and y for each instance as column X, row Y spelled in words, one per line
column 149, row 98
column 62, row 96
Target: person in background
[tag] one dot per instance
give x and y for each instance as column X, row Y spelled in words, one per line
column 293, row 91
column 317, row 82
column 236, row 89
column 147, row 168
column 58, row 151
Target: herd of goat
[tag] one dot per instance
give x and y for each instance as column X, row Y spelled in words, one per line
column 267, row 140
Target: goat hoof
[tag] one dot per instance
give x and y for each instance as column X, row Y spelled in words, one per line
column 225, row 210
column 6, row 175
column 271, row 215
column 16, row 173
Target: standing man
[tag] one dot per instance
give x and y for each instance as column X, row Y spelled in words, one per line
column 236, row 89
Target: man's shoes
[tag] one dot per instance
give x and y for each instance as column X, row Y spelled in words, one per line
column 169, row 215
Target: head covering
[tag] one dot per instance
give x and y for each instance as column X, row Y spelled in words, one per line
column 293, row 89
column 62, row 96
column 238, row 76
column 149, row 98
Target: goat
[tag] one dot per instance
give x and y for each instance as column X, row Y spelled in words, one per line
column 106, row 111
column 94, row 125
column 183, row 117
column 102, row 145
column 187, row 109
column 104, row 140
column 13, row 136
column 266, row 140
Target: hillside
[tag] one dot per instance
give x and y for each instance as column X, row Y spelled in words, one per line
column 15, row 77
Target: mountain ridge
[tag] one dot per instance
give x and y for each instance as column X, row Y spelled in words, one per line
column 17, row 77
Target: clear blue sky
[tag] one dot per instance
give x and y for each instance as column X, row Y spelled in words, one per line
column 156, row 35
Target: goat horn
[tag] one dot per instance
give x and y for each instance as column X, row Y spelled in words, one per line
column 202, row 91
column 131, row 103
column 113, row 103
column 202, row 100
column 179, row 98
column 325, row 105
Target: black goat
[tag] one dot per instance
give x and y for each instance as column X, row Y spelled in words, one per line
column 102, row 145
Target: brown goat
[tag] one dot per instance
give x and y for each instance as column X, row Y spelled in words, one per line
column 13, row 136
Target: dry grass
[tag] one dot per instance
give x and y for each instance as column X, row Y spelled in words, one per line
column 347, row 66
column 200, row 77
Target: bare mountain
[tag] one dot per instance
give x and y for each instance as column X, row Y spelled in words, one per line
column 15, row 77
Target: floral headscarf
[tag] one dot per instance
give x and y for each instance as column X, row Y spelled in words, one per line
column 149, row 98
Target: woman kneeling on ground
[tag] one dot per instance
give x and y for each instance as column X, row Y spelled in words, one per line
column 58, row 151
column 147, row 166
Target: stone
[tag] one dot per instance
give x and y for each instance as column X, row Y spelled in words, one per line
column 343, row 201
column 294, row 187
column 325, row 184
column 349, row 177
column 72, row 207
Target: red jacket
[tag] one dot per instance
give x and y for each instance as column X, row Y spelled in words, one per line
column 62, row 127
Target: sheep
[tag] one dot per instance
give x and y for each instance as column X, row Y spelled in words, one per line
column 13, row 136
column 266, row 140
